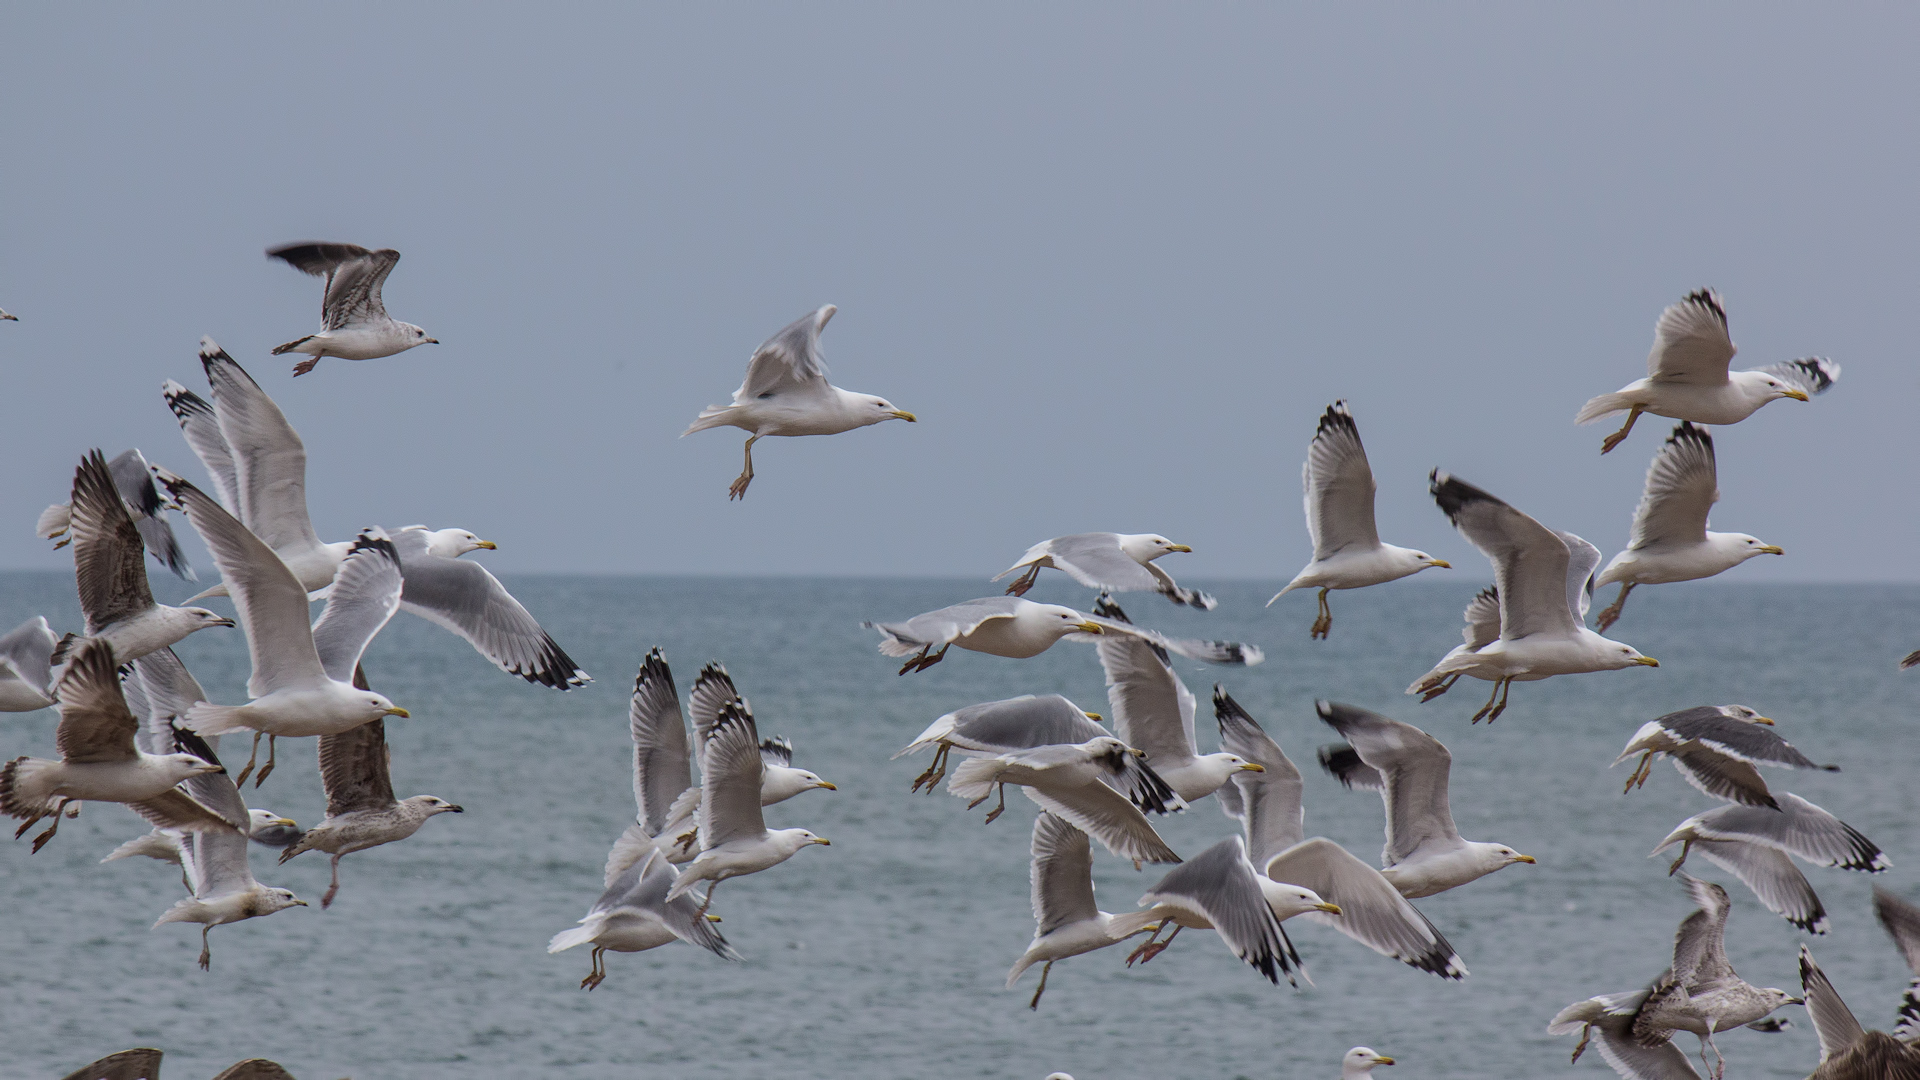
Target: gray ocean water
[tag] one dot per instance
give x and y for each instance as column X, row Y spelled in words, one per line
column 884, row 955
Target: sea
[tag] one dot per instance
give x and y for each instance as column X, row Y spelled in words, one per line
column 885, row 954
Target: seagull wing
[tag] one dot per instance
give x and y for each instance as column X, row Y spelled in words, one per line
column 464, row 598
column 1220, row 886
column 1582, row 559
column 1682, row 485
column 1901, row 920
column 1798, row 827
column 1096, row 561
column 1483, row 619
column 788, row 362
column 713, row 690
column 365, row 594
column 1811, row 375
column 1721, row 776
column 1416, row 768
column 1022, row 723
column 353, row 290
column 1339, row 486
column 1372, row 911
column 134, row 478
column 1700, row 945
column 1755, row 743
column 201, row 427
column 1212, row 652
column 1152, row 709
column 1100, row 812
column 27, row 651
column 662, row 768
column 270, row 461
column 109, row 558
column 354, row 768
column 1775, row 881
column 1270, row 801
column 1062, row 875
column 1529, row 560
column 272, row 603
column 730, row 772
column 1691, row 346
column 1832, row 1020
column 95, row 724
column 944, row 625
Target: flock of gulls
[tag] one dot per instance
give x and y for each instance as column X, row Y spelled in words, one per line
column 136, row 728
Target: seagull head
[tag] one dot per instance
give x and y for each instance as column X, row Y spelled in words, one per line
column 203, row 618
column 1744, row 547
column 1625, row 656
column 813, row 781
column 453, row 543
column 1290, row 900
column 416, row 336
column 879, row 408
column 1360, row 1061
column 1143, row 548
column 1508, row 856
column 1744, row 714
column 1766, row 387
column 435, row 805
column 272, row 900
column 185, row 765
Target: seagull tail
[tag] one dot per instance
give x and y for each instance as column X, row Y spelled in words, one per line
column 974, row 778
column 25, row 786
column 712, row 416
column 1019, row 968
column 53, row 521
column 291, row 345
column 1604, row 406
column 578, row 935
column 154, row 845
column 187, row 910
column 206, row 718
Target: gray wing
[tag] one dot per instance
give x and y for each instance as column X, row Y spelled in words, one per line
column 365, row 594
column 150, row 737
column 1798, row 827
column 789, row 361
column 1416, row 769
column 1700, row 945
column 1096, row 561
column 270, row 461
column 1811, row 375
column 1755, row 743
column 713, row 690
column 1270, row 801
column 27, row 649
column 109, row 557
column 1339, row 486
column 202, row 809
column 1212, row 652
column 1682, row 486
column 643, row 886
column 95, row 724
column 1372, row 911
column 1152, row 709
column 179, row 812
column 1832, row 1020
column 730, row 772
column 273, row 604
column 354, row 276
column 1635, row 1061
column 1691, row 346
column 201, row 427
column 999, row 727
column 662, row 768
column 1775, row 881
column 944, row 625
column 1582, row 559
column 1219, row 885
column 1122, row 774
column 1529, row 561
column 1062, row 875
column 464, row 598
column 1901, row 920
column 1721, row 776
column 355, row 769
column 1107, row 816
column 777, row 750
column 135, row 481
column 164, row 690
column 1483, row 619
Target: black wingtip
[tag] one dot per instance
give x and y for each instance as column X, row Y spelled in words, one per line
column 188, row 741
column 1688, row 431
column 1454, row 494
column 1105, row 608
column 1709, row 299
column 1341, row 762
column 1337, row 419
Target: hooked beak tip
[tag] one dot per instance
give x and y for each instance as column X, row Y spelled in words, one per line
column 1798, row 395
column 1329, row 908
column 1090, row 628
column 1528, row 859
column 1252, row 766
column 1180, row 547
column 1383, row 1061
column 487, row 544
column 904, row 415
column 823, row 841
column 1444, row 565
column 396, row 710
column 829, row 785
column 1772, row 549
column 1646, row 661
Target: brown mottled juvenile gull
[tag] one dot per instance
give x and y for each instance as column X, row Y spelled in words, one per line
column 26, row 666
column 1847, row 1050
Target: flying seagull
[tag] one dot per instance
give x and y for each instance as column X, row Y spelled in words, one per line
column 1716, row 748
column 134, row 477
column 1110, row 562
column 1018, row 628
column 354, row 322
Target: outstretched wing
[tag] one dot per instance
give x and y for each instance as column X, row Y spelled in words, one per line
column 109, row 557
column 464, row 598
column 1810, row 375
column 1529, row 560
column 1339, row 486
column 1691, row 346
column 789, row 361
column 662, row 768
column 365, row 594
column 1682, row 486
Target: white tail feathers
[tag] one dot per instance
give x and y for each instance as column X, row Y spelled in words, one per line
column 712, row 416
column 188, row 910
column 1019, row 967
column 206, row 718
column 940, row 729
column 1128, row 923
column 25, row 784
column 578, row 935
column 154, row 845
column 975, row 777
column 1604, row 406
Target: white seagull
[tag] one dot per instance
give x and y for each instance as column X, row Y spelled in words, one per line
column 786, row 393
column 1753, row 842
column 26, row 666
column 1011, row 626
column 1687, row 376
column 1001, row 727
column 1110, row 562
column 1067, row 919
column 1716, row 748
column 302, row 675
column 100, row 762
column 354, row 322
column 1347, row 552
column 1424, row 854
column 1359, row 1063
column 1670, row 539
column 633, row 914
column 1095, row 786
column 1540, row 579
column 1219, row 890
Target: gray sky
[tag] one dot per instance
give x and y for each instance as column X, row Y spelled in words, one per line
column 1117, row 259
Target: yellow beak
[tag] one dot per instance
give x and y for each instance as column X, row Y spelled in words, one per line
column 1383, row 1061
column 829, row 786
column 1094, row 716
column 396, row 710
column 1646, row 661
column 488, row 544
column 823, row 841
column 1136, row 753
column 1773, row 549
column 1528, row 859
column 287, row 821
column 301, row 902
column 904, row 415
column 1798, row 395
column 1763, row 720
column 1252, row 766
column 1444, row 565
column 713, row 918
column 1331, row 909
column 1087, row 627
column 1180, row 547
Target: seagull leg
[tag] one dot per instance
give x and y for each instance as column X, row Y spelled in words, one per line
column 1506, row 687
column 934, row 771
column 739, row 488
column 1152, row 948
column 1156, row 928
column 241, row 780
column 998, row 810
column 305, row 366
column 1041, row 989
column 708, row 900
column 41, row 840
column 1686, row 846
column 1324, row 623
column 333, row 886
column 1019, row 587
column 1639, row 775
column 1440, row 687
column 599, row 973
column 1613, row 440
column 922, row 661
column 1612, row 613
column 1491, row 698
column 206, row 947
column 273, row 748
column 1586, row 1032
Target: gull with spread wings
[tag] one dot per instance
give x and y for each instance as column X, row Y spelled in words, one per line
column 354, row 320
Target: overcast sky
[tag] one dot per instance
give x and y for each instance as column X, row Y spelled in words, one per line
column 1117, row 259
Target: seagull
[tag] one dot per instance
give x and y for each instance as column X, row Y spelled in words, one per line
column 1010, row 626
column 1359, row 1063
column 1716, row 748
column 1067, row 920
column 355, row 324
column 1670, row 539
column 1753, row 842
column 1001, row 727
column 99, row 761
column 259, row 470
column 109, row 563
column 1424, row 854
column 1219, row 889
column 1847, row 1050
column 734, row 839
column 1268, row 807
column 301, row 675
column 140, row 1063
column 786, row 393
column 4, row 317
column 1540, row 580
column 361, row 810
column 1110, row 562
column 663, row 766
column 1347, row 552
column 134, row 478
column 26, row 666
column 1700, row 993
column 1687, row 376
column 633, row 914
column 1081, row 784
column 224, row 889
column 1153, row 712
